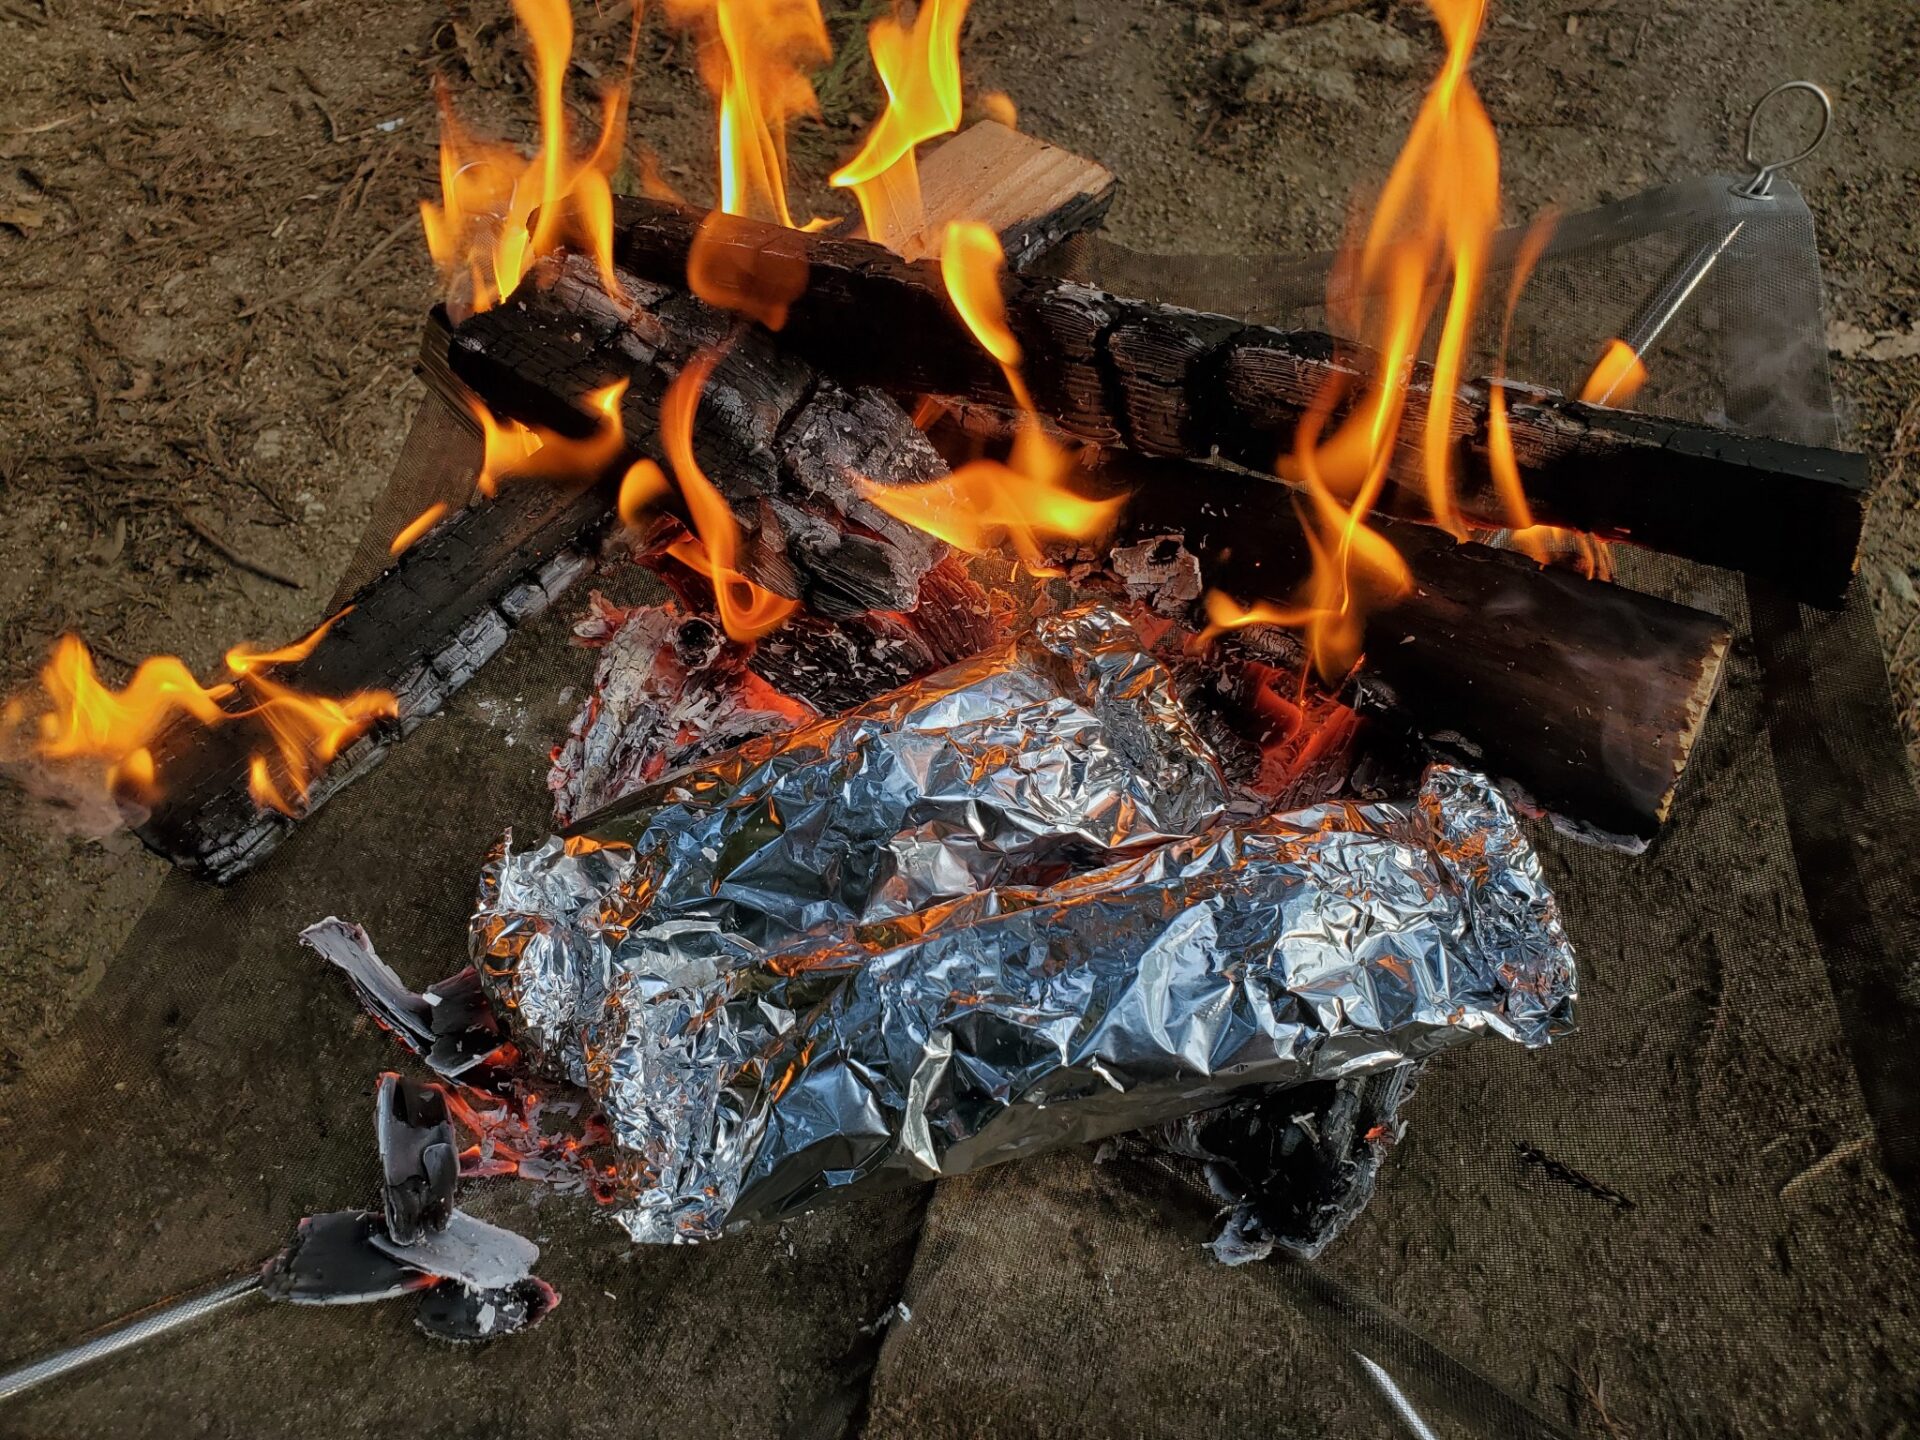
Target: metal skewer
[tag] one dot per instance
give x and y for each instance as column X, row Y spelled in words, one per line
column 124, row 1334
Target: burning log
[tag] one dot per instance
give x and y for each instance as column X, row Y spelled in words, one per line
column 452, row 599
column 1173, row 382
column 1585, row 695
column 421, row 631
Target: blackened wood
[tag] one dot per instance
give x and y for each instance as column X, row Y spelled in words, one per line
column 1166, row 381
column 419, row 631
column 1587, row 697
column 787, row 449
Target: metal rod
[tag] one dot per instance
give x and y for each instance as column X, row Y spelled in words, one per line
column 126, row 1333
column 1397, row 1399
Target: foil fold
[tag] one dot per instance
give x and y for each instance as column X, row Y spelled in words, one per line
column 994, row 912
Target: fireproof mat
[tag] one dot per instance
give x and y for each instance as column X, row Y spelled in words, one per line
column 219, row 1085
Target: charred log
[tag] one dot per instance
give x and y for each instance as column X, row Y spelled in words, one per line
column 427, row 625
column 420, row 631
column 1172, row 382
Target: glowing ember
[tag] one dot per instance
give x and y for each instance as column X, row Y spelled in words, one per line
column 747, row 611
column 490, row 194
column 81, row 719
column 920, row 70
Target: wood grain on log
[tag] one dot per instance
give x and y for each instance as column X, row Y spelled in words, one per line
column 1172, row 382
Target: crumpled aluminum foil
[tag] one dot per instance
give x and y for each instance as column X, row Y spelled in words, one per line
column 842, row 956
column 1065, row 749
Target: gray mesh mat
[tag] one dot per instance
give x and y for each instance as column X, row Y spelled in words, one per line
column 1737, row 1075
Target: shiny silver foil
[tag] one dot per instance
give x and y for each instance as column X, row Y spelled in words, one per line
column 874, row 949
column 1060, row 752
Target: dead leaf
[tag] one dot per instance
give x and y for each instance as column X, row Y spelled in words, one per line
column 1855, row 342
column 22, row 218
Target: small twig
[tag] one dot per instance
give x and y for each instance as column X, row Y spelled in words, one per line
column 1595, row 1398
column 1846, row 1150
column 234, row 557
column 1567, row 1175
column 407, row 226
column 46, row 125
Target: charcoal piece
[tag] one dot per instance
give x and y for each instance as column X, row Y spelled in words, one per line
column 471, row 1317
column 418, row 1161
column 466, row 1032
column 477, row 1255
column 337, row 1259
column 1297, row 1165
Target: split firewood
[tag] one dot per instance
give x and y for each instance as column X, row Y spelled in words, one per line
column 1172, row 382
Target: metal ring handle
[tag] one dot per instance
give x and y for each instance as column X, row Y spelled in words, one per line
column 1761, row 184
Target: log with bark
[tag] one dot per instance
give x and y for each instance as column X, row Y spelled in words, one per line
column 774, row 437
column 1172, row 382
column 1585, row 697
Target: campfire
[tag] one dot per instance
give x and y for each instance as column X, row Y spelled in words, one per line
column 1063, row 716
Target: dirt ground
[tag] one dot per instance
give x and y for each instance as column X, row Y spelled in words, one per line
column 216, row 276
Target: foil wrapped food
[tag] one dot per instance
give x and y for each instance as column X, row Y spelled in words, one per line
column 996, row 911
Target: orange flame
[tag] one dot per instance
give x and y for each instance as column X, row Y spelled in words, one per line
column 1025, row 500
column 418, row 526
column 500, row 211
column 83, row 719
column 754, row 56
column 1436, row 214
column 640, row 489
column 1617, row 376
column 920, row 71
column 309, row 732
column 240, row 659
column 747, row 611
column 738, row 266
column 1545, row 543
column 999, row 107
column 510, row 450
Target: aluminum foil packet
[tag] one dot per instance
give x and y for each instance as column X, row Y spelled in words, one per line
column 886, row 947
column 1065, row 749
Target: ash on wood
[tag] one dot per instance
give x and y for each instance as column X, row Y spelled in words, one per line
column 1172, row 382
column 1586, row 696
